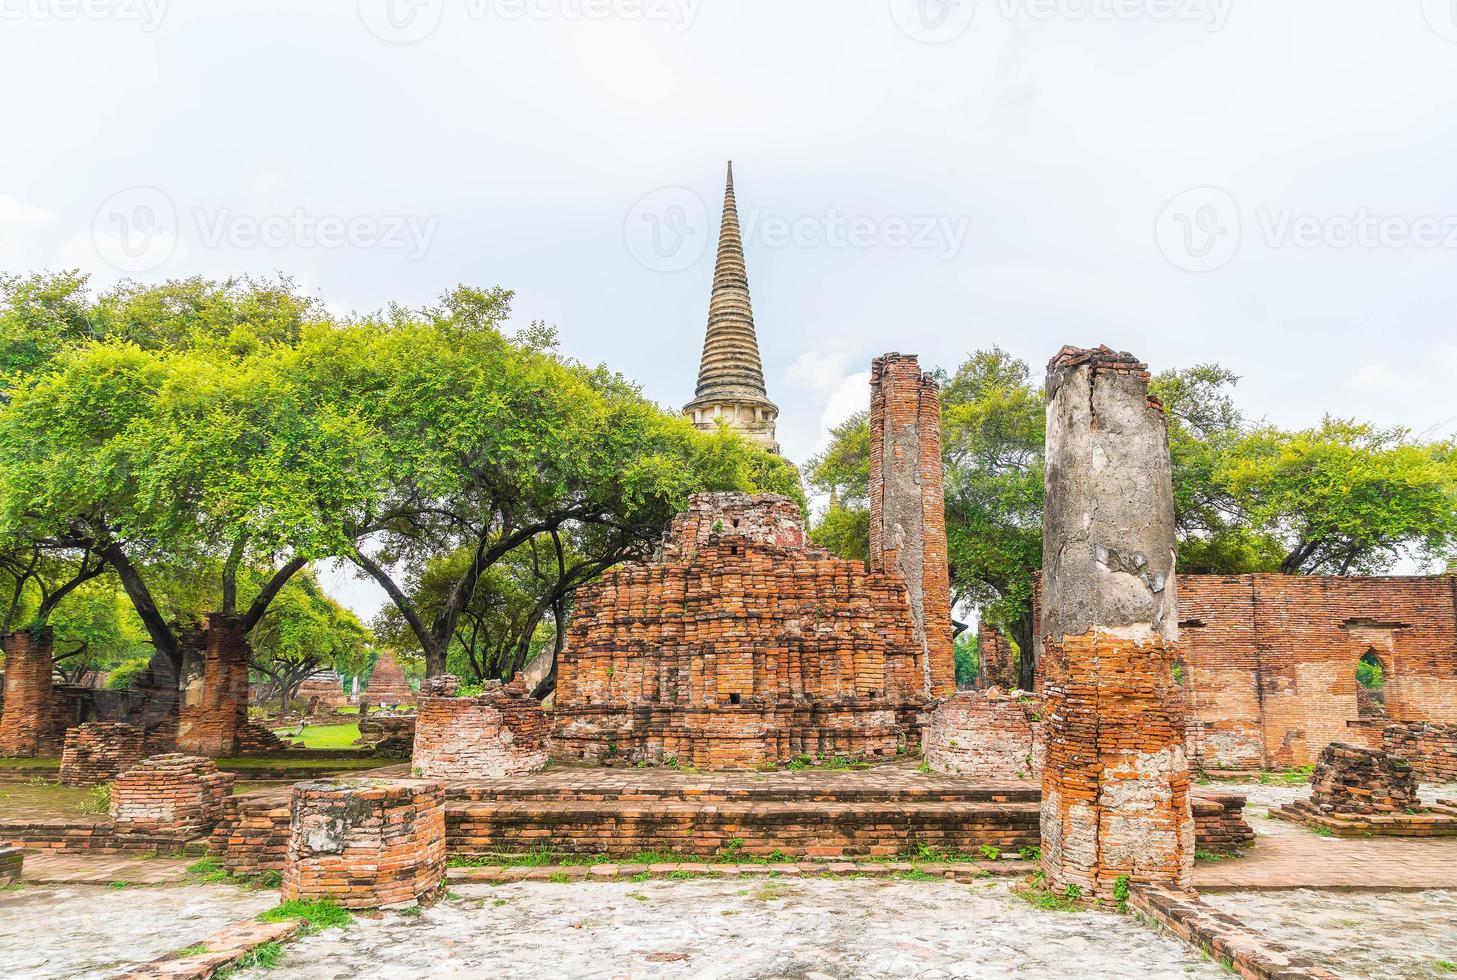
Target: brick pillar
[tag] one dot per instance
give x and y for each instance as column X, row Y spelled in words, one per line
column 211, row 726
column 366, row 843
column 1115, row 786
column 908, row 506
column 28, row 720
column 169, row 797
column 997, row 668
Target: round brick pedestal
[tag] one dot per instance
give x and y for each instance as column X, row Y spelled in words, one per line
column 985, row 735
column 366, row 843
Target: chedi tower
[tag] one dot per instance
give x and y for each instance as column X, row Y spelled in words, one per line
column 1115, row 786
column 730, row 376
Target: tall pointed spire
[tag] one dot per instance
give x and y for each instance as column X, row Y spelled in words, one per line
column 730, row 375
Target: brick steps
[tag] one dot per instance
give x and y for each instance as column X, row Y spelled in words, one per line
column 647, row 792
column 799, row 828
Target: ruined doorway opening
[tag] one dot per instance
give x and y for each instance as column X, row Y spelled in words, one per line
column 1370, row 686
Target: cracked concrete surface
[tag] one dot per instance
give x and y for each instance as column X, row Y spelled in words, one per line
column 781, row 928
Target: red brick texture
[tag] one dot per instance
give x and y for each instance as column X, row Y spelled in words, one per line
column 169, row 796
column 1270, row 660
column 1219, row 822
column 998, row 667
column 211, row 724
column 28, row 720
column 387, row 684
column 1430, row 748
column 500, row 733
column 985, row 735
column 252, row 832
column 908, row 506
column 98, row 752
column 1352, row 780
column 738, row 648
column 366, row 843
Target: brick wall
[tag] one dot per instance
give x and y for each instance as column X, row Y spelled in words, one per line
column 210, row 725
column 169, row 796
column 366, row 843
column 387, row 684
column 98, row 752
column 500, row 733
column 985, row 735
column 28, row 719
column 1270, row 660
column 734, row 652
column 252, row 832
column 908, row 506
column 1430, row 748
column 998, row 668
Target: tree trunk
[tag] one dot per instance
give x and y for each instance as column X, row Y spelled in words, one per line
column 1024, row 631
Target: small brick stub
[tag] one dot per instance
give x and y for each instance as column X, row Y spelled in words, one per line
column 169, row 796
column 12, row 864
column 366, row 843
column 1430, row 748
column 985, row 735
column 98, row 752
column 500, row 733
column 1352, row 780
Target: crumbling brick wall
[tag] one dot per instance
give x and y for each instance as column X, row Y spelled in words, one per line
column 98, row 752
column 210, row 725
column 1219, row 822
column 998, row 668
column 1115, row 784
column 252, row 832
column 28, row 720
column 500, row 733
column 985, row 735
column 1270, row 660
column 1352, row 780
column 908, row 506
column 365, row 843
column 171, row 796
column 735, row 650
column 1431, row 749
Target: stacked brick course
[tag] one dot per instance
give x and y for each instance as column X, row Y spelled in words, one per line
column 998, row 667
column 98, row 752
column 387, row 684
column 737, row 648
column 500, row 733
column 985, row 735
column 388, row 735
column 171, row 796
column 12, row 864
column 325, row 687
column 28, row 719
column 210, row 725
column 252, row 832
column 1115, row 784
column 1219, row 822
column 908, row 506
column 256, row 739
column 366, row 843
column 1353, row 780
column 1431, row 749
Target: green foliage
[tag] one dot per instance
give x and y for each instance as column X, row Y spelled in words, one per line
column 990, row 853
column 1369, row 672
column 967, row 652
column 844, row 531
column 266, row 956
column 99, row 799
column 196, row 949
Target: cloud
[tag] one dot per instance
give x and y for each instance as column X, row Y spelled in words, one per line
column 1381, row 378
column 818, row 372
column 15, row 212
column 851, row 396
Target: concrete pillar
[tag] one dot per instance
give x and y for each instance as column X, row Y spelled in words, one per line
column 1115, row 787
column 908, row 506
column 27, row 723
column 210, row 726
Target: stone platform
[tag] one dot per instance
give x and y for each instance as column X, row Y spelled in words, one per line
column 1439, row 820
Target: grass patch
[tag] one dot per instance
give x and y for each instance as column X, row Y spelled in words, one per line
column 287, row 762
column 315, row 915
column 30, row 763
column 1320, row 831
column 916, row 874
column 264, row 957
column 1034, row 892
column 341, row 736
column 1215, row 855
column 1445, row 966
column 196, row 949
column 771, row 891
column 98, row 799
column 210, row 870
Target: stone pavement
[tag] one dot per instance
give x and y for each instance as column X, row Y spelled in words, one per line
column 103, row 869
column 1288, row 855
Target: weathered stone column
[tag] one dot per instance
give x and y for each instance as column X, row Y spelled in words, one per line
column 211, row 726
column 366, row 843
column 908, row 505
column 28, row 720
column 1115, row 787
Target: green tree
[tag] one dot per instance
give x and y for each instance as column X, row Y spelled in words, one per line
column 305, row 631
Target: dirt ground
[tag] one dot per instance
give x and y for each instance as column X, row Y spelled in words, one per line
column 79, row 932
column 760, row 928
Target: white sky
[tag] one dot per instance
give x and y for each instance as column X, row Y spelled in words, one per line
column 574, row 149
